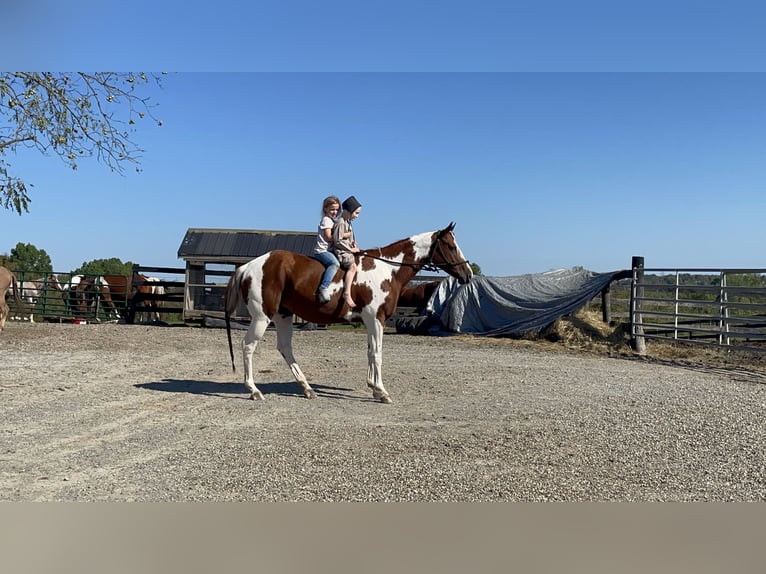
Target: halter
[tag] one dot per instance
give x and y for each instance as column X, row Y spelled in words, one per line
column 428, row 265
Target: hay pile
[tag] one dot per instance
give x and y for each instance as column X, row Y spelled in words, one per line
column 585, row 331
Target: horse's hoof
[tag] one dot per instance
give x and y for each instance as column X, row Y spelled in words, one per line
column 386, row 399
column 257, row 395
column 309, row 394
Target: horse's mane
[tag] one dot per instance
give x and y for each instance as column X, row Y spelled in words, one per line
column 400, row 244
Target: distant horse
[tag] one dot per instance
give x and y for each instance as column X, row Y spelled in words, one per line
column 145, row 291
column 8, row 281
column 88, row 289
column 280, row 284
column 114, row 291
column 418, row 296
column 33, row 290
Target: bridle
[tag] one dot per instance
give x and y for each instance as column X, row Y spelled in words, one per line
column 427, row 265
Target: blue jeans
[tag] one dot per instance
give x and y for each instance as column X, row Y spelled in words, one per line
column 328, row 259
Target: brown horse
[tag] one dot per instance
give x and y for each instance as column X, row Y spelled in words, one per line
column 418, row 296
column 114, row 291
column 8, row 281
column 90, row 290
column 146, row 298
column 280, row 284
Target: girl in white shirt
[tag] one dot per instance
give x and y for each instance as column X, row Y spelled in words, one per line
column 322, row 252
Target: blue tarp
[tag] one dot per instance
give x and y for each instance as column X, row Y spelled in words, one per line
column 513, row 306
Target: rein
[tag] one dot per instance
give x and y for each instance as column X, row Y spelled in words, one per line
column 428, row 265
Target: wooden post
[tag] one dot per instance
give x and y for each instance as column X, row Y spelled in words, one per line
column 636, row 292
column 606, row 304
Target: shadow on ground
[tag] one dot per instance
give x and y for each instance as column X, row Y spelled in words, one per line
column 237, row 390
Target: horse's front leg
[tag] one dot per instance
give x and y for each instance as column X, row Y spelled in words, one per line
column 284, row 327
column 375, row 360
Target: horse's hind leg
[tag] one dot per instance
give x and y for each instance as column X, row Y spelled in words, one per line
column 284, row 327
column 250, row 341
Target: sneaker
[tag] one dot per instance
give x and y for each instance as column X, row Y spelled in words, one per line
column 323, row 295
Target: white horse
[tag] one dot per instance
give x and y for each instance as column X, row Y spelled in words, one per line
column 32, row 290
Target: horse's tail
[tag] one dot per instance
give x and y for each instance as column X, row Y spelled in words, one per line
column 17, row 295
column 230, row 304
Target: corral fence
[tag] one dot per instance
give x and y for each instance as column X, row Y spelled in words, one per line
column 52, row 297
column 165, row 300
column 704, row 306
column 721, row 307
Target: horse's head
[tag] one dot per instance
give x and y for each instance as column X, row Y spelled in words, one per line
column 52, row 282
column 446, row 255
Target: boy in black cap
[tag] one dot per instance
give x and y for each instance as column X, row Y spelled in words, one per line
column 344, row 244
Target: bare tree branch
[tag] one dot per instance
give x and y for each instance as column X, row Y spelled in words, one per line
column 73, row 116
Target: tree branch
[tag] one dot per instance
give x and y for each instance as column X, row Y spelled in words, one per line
column 4, row 144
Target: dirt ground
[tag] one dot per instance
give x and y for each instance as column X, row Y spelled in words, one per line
column 154, row 413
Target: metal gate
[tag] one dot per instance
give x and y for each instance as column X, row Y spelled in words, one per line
column 723, row 307
column 58, row 300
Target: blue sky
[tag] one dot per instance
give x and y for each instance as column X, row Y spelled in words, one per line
column 613, row 138
column 391, row 35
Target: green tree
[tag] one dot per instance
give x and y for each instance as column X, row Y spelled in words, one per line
column 111, row 266
column 32, row 261
column 476, row 269
column 73, row 116
column 744, row 280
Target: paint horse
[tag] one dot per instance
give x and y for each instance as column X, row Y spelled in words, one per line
column 8, row 281
column 113, row 291
column 89, row 290
column 146, row 299
column 280, row 284
column 33, row 290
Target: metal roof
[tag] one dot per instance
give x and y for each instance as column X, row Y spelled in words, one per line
column 242, row 244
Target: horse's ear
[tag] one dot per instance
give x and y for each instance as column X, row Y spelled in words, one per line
column 447, row 229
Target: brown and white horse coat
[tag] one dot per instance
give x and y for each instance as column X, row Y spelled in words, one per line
column 152, row 287
column 280, row 284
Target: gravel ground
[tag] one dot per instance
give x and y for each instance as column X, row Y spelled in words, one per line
column 148, row 413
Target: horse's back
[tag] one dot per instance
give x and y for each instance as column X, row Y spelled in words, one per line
column 277, row 276
column 117, row 283
column 281, row 265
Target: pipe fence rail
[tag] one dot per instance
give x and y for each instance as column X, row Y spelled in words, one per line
column 721, row 307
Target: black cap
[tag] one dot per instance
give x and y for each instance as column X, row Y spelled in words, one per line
column 351, row 204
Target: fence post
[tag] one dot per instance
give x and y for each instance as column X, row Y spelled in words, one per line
column 636, row 293
column 606, row 304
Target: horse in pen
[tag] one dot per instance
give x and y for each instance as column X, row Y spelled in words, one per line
column 280, row 284
column 114, row 293
column 34, row 290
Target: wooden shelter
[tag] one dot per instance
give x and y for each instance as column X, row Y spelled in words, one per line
column 211, row 255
